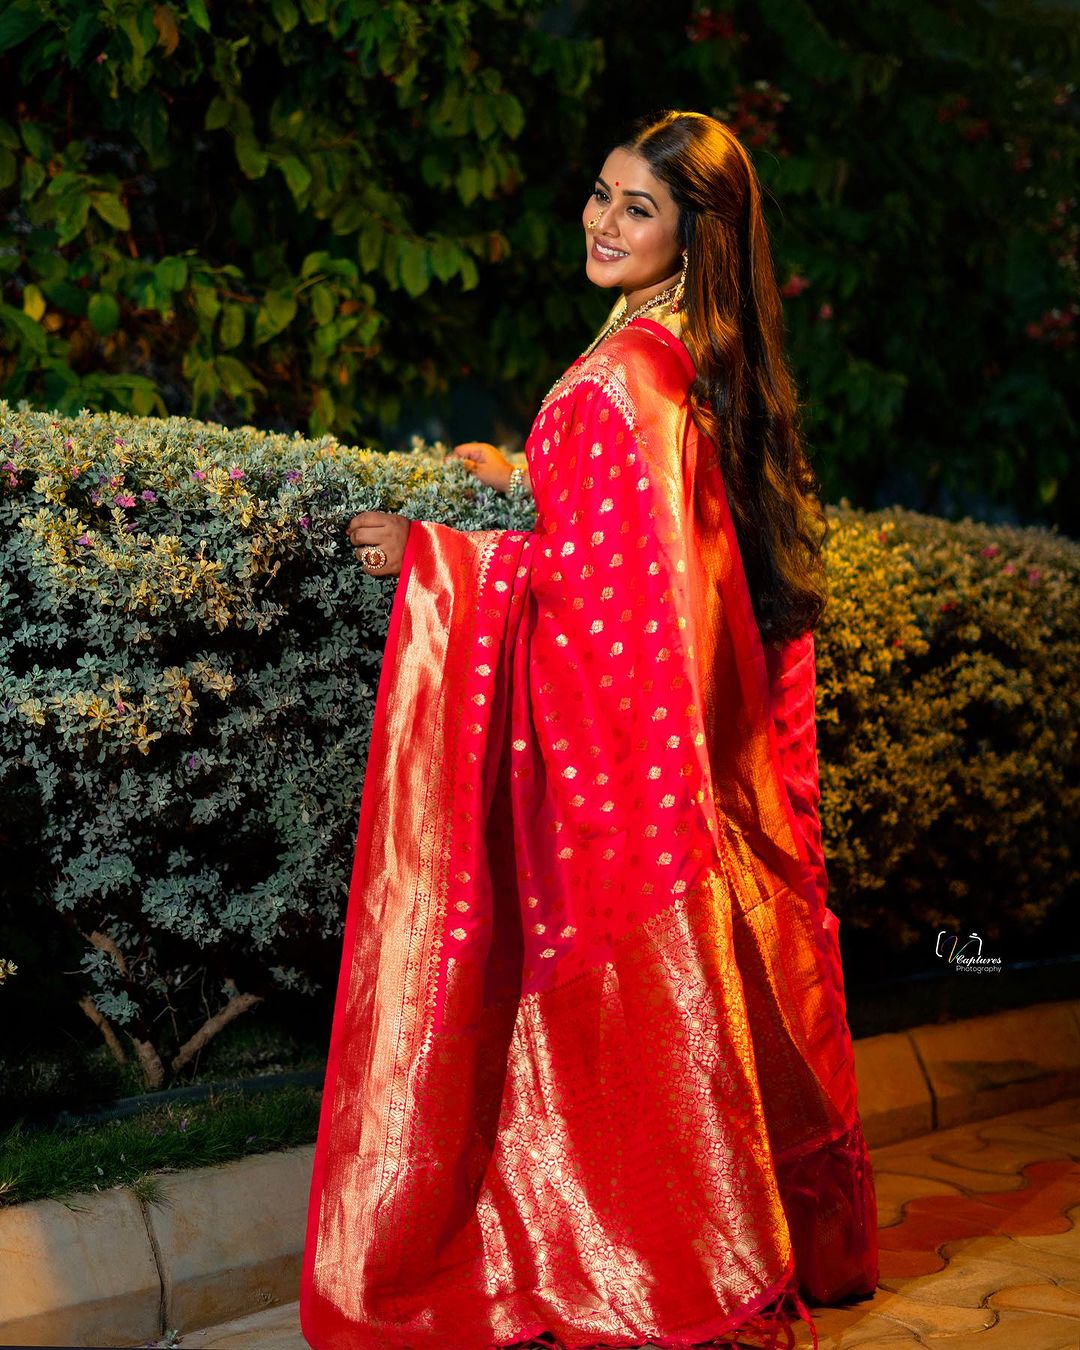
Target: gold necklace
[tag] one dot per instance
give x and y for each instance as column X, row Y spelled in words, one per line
column 625, row 316
column 616, row 326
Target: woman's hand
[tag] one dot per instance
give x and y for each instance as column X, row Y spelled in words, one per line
column 382, row 530
column 487, row 462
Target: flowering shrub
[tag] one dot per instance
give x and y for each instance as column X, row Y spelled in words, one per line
column 188, row 660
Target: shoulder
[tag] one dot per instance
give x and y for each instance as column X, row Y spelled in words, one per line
column 637, row 371
column 651, row 361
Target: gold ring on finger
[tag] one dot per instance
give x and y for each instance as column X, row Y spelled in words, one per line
column 373, row 558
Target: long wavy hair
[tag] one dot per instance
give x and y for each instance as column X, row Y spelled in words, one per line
column 743, row 399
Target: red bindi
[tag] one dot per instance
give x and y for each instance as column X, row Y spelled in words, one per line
column 616, row 182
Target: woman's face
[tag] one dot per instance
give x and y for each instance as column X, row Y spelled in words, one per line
column 634, row 242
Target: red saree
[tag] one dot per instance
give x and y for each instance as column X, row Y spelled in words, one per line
column 590, row 1071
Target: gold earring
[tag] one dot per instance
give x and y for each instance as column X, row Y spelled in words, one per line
column 680, row 285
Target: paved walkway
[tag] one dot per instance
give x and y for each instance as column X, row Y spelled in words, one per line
column 980, row 1247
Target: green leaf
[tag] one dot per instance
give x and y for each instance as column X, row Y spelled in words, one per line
column 251, row 157
column 18, row 21
column 470, row 277
column 315, row 262
column 81, row 34
column 231, row 330
column 467, row 183
column 172, row 273
column 8, row 167
column 130, row 27
column 414, row 266
column 197, row 10
column 274, row 314
column 207, row 302
column 103, row 313
column 32, row 334
column 218, row 113
column 511, row 115
column 36, row 139
column 446, row 259
column 371, row 245
column 483, row 117
column 33, row 176
column 111, row 209
column 236, row 378
column 297, row 175
column 323, row 303
column 9, row 136
column 286, row 14
column 71, row 216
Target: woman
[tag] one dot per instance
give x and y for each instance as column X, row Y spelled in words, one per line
column 590, row 1076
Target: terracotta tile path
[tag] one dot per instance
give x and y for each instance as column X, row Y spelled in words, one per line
column 980, row 1247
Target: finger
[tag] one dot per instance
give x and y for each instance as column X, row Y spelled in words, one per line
column 368, row 519
column 359, row 552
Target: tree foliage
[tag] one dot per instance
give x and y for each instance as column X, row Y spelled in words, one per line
column 314, row 213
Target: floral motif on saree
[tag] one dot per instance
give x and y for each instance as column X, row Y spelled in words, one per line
column 590, row 1072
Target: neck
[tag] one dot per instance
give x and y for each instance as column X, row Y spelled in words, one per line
column 635, row 299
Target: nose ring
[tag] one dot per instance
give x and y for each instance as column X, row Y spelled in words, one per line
column 593, row 223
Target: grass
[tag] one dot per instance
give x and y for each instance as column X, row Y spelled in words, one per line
column 39, row 1164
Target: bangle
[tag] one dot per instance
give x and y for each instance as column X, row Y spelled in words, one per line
column 518, row 490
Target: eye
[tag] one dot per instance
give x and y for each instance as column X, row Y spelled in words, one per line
column 600, row 194
column 640, row 210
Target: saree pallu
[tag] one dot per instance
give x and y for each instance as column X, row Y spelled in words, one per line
column 590, row 1072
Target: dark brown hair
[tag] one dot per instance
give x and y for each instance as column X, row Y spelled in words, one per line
column 744, row 398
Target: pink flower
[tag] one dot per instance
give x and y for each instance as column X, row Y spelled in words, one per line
column 84, row 540
column 990, row 550
column 795, row 285
column 148, row 496
column 1033, row 575
column 234, row 474
column 826, row 311
column 124, row 499
column 198, row 475
column 1009, row 568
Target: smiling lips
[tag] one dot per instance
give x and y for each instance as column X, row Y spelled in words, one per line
column 603, row 254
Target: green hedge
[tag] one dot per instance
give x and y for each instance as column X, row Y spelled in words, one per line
column 188, row 657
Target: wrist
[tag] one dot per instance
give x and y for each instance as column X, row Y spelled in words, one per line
column 517, row 482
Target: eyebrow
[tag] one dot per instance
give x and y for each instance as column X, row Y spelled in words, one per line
column 629, row 192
